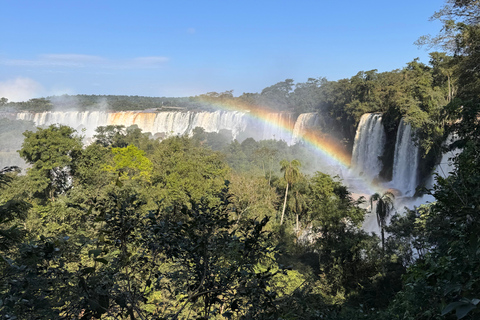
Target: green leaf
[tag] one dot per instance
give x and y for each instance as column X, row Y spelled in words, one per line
column 102, row 260
column 88, row 270
column 452, row 306
column 94, row 252
column 463, row 310
column 118, row 183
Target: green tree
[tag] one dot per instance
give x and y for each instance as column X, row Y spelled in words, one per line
column 265, row 156
column 11, row 210
column 291, row 170
column 110, row 136
column 251, row 197
column 346, row 256
column 297, row 201
column 51, row 152
column 277, row 96
column 130, row 163
column 443, row 69
column 183, row 170
column 383, row 205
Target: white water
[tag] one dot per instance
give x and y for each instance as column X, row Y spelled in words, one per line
column 368, row 146
column 305, row 121
column 276, row 126
column 170, row 123
column 405, row 162
column 77, row 120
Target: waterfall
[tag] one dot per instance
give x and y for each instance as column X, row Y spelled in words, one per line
column 305, row 121
column 88, row 120
column 169, row 123
column 405, row 162
column 368, row 146
column 172, row 123
column 278, row 126
column 233, row 121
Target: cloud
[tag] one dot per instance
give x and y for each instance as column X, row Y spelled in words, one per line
column 73, row 59
column 150, row 61
column 84, row 61
column 52, row 60
column 191, row 30
column 20, row 89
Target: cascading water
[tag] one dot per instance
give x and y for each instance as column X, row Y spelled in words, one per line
column 88, row 120
column 278, row 126
column 169, row 123
column 405, row 162
column 233, row 121
column 305, row 121
column 368, row 146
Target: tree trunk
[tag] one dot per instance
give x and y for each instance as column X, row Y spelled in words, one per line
column 383, row 250
column 383, row 240
column 449, row 90
column 270, row 173
column 298, row 226
column 284, row 204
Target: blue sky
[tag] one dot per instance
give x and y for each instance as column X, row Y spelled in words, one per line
column 182, row 48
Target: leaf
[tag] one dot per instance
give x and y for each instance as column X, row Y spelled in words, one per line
column 88, row 270
column 452, row 306
column 94, row 252
column 102, row 260
column 118, row 183
column 463, row 310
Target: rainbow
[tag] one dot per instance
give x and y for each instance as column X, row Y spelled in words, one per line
column 327, row 147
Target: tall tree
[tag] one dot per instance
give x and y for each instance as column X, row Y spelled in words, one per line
column 291, row 175
column 10, row 210
column 278, row 95
column 51, row 152
column 383, row 205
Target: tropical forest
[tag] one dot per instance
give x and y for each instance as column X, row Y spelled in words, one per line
column 339, row 200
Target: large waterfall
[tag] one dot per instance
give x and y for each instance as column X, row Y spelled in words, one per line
column 277, row 126
column 405, row 162
column 368, row 146
column 169, row 123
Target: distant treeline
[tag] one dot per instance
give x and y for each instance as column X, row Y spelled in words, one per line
column 83, row 102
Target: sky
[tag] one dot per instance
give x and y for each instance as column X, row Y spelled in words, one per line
column 183, row 48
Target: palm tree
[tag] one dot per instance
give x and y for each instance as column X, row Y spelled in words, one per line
column 291, row 174
column 383, row 207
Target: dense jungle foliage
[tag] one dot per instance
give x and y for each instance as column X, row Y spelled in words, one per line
column 129, row 227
